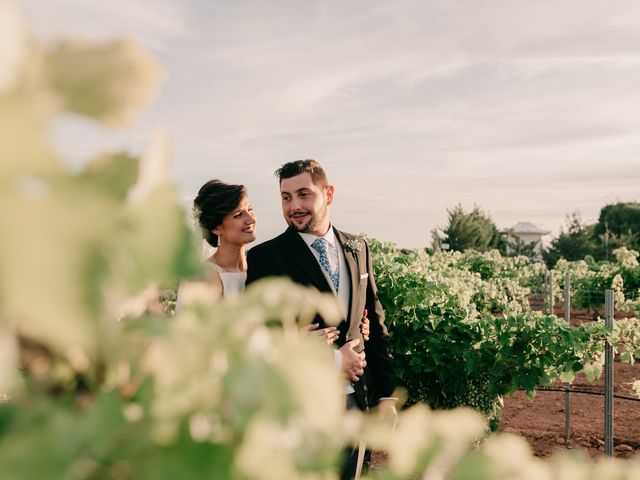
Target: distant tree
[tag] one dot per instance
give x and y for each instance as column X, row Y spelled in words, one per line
column 474, row 230
column 436, row 241
column 619, row 218
column 576, row 240
column 618, row 226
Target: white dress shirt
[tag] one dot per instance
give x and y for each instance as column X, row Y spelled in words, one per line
column 336, row 257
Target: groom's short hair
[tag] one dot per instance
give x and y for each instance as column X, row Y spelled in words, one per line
column 297, row 167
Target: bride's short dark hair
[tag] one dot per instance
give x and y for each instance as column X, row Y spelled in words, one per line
column 216, row 200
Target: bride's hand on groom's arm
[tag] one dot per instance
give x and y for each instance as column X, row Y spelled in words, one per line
column 365, row 326
column 327, row 334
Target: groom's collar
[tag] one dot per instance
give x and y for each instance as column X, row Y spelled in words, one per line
column 330, row 237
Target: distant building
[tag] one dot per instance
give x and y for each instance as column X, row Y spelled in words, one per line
column 525, row 234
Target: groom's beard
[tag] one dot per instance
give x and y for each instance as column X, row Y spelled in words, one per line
column 312, row 224
column 306, row 227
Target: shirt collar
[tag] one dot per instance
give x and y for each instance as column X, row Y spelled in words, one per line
column 330, row 237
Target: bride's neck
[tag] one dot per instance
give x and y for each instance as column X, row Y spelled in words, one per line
column 231, row 258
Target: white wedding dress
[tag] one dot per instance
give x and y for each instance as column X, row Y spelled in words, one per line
column 232, row 284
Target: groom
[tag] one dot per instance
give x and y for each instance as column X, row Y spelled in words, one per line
column 313, row 252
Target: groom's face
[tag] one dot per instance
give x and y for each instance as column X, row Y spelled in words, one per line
column 305, row 204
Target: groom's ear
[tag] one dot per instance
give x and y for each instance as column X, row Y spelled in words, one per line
column 329, row 193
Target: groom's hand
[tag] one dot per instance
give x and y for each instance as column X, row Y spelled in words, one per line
column 353, row 363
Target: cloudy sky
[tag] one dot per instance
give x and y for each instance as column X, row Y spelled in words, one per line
column 531, row 110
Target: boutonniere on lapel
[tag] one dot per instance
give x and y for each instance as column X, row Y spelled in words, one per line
column 354, row 246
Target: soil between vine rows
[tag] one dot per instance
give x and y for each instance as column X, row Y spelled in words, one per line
column 541, row 421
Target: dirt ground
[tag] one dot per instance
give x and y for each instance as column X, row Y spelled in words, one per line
column 542, row 421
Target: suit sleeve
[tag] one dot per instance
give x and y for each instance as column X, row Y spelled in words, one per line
column 379, row 358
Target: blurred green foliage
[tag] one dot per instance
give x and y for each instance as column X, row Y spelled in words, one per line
column 97, row 382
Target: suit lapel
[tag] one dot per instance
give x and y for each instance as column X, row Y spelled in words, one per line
column 351, row 259
column 308, row 264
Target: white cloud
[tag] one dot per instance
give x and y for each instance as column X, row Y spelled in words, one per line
column 527, row 108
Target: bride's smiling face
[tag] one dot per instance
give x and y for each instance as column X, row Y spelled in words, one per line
column 239, row 226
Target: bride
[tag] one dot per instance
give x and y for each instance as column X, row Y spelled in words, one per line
column 228, row 223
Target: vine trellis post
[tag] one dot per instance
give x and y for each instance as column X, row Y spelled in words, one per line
column 567, row 387
column 608, row 376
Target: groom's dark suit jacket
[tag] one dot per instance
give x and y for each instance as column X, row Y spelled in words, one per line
column 288, row 255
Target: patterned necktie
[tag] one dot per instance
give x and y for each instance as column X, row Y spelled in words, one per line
column 320, row 246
